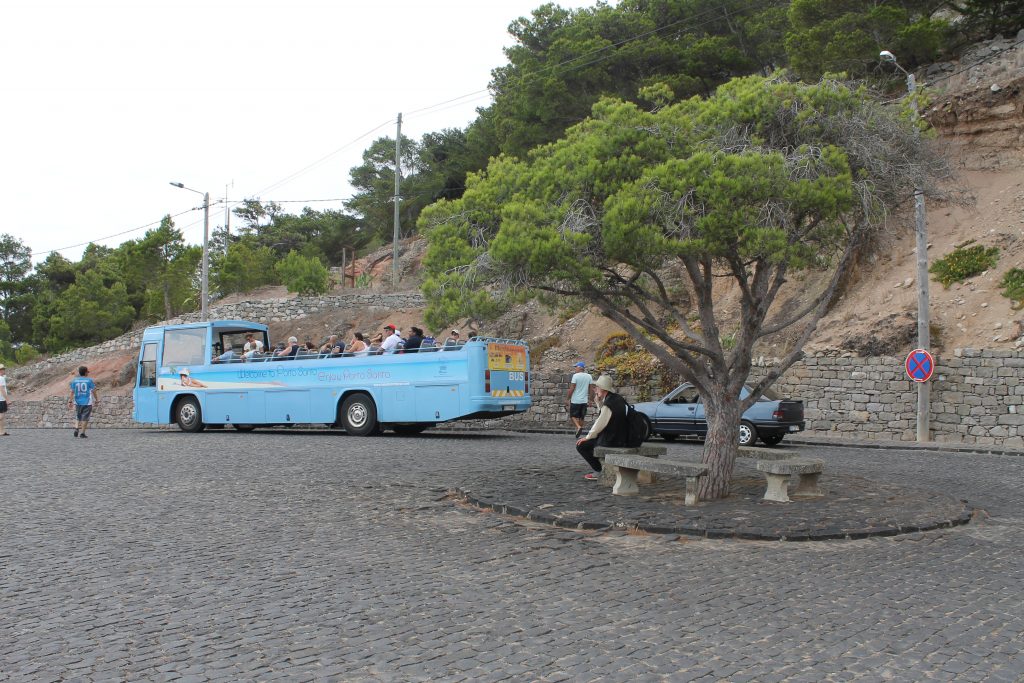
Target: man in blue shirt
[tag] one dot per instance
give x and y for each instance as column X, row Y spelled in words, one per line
column 578, row 397
column 83, row 397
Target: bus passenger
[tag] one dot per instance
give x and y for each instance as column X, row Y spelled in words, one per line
column 337, row 350
column 329, row 344
column 252, row 346
column 391, row 339
column 358, row 346
column 452, row 339
column 290, row 349
column 228, row 355
column 415, row 340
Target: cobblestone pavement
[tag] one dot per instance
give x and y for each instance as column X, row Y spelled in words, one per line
column 147, row 555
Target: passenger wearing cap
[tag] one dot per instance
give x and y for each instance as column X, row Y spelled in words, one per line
column 609, row 429
column 578, row 397
column 290, row 349
column 453, row 339
column 391, row 339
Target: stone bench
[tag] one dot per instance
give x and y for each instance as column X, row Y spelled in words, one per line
column 628, row 466
column 645, row 451
column 778, row 472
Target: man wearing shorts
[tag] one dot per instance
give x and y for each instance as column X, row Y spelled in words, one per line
column 579, row 396
column 83, row 397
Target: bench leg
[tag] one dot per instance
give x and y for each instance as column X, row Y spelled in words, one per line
column 777, row 490
column 808, row 487
column 607, row 475
column 691, row 491
column 647, row 477
column 625, row 482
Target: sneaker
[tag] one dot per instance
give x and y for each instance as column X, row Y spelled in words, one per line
column 75, row 435
column 82, row 435
column 592, row 476
column 578, row 432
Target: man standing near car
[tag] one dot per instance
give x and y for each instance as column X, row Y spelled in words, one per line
column 578, row 397
column 609, row 429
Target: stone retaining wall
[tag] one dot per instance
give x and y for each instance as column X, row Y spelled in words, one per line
column 111, row 412
column 976, row 397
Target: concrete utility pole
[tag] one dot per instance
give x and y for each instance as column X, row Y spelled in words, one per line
column 398, row 180
column 205, row 293
column 921, row 231
column 204, row 308
column 227, row 217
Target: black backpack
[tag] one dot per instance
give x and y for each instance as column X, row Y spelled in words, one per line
column 637, row 430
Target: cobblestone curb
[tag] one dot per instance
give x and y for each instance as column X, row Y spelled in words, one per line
column 854, row 508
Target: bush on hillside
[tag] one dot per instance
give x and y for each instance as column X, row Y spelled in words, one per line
column 305, row 275
column 964, row 262
column 1013, row 285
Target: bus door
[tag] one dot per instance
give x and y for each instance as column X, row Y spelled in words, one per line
column 145, row 385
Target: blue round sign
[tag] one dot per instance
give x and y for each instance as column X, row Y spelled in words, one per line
column 919, row 365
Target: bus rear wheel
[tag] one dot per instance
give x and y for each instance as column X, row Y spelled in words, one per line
column 189, row 415
column 358, row 415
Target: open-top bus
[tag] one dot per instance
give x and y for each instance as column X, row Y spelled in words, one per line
column 180, row 380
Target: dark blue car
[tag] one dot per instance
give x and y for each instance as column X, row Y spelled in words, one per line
column 681, row 412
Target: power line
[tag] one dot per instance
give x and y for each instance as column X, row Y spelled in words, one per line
column 117, row 234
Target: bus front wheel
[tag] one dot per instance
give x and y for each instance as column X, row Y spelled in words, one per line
column 359, row 415
column 189, row 415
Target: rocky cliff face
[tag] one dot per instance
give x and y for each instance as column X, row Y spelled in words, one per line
column 979, row 105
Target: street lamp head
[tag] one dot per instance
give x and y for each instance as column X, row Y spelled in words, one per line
column 181, row 185
column 887, row 56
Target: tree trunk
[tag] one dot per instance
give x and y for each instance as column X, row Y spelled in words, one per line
column 721, row 445
column 167, row 301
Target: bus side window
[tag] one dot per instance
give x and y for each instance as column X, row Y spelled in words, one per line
column 147, row 369
column 185, row 347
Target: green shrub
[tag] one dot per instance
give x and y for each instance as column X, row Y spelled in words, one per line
column 964, row 262
column 1013, row 285
column 25, row 354
column 303, row 274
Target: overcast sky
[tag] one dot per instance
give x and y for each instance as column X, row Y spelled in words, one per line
column 106, row 102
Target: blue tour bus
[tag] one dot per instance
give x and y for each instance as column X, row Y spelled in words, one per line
column 180, row 380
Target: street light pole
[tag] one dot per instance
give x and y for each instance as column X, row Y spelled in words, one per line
column 921, row 232
column 205, row 278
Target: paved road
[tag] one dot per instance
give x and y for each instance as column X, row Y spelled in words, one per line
column 303, row 556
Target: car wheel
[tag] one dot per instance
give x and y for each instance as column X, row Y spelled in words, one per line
column 748, row 435
column 774, row 440
column 359, row 415
column 189, row 415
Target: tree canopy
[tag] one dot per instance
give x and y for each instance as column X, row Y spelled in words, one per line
column 646, row 215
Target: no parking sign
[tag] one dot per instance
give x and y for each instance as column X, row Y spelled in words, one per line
column 919, row 365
